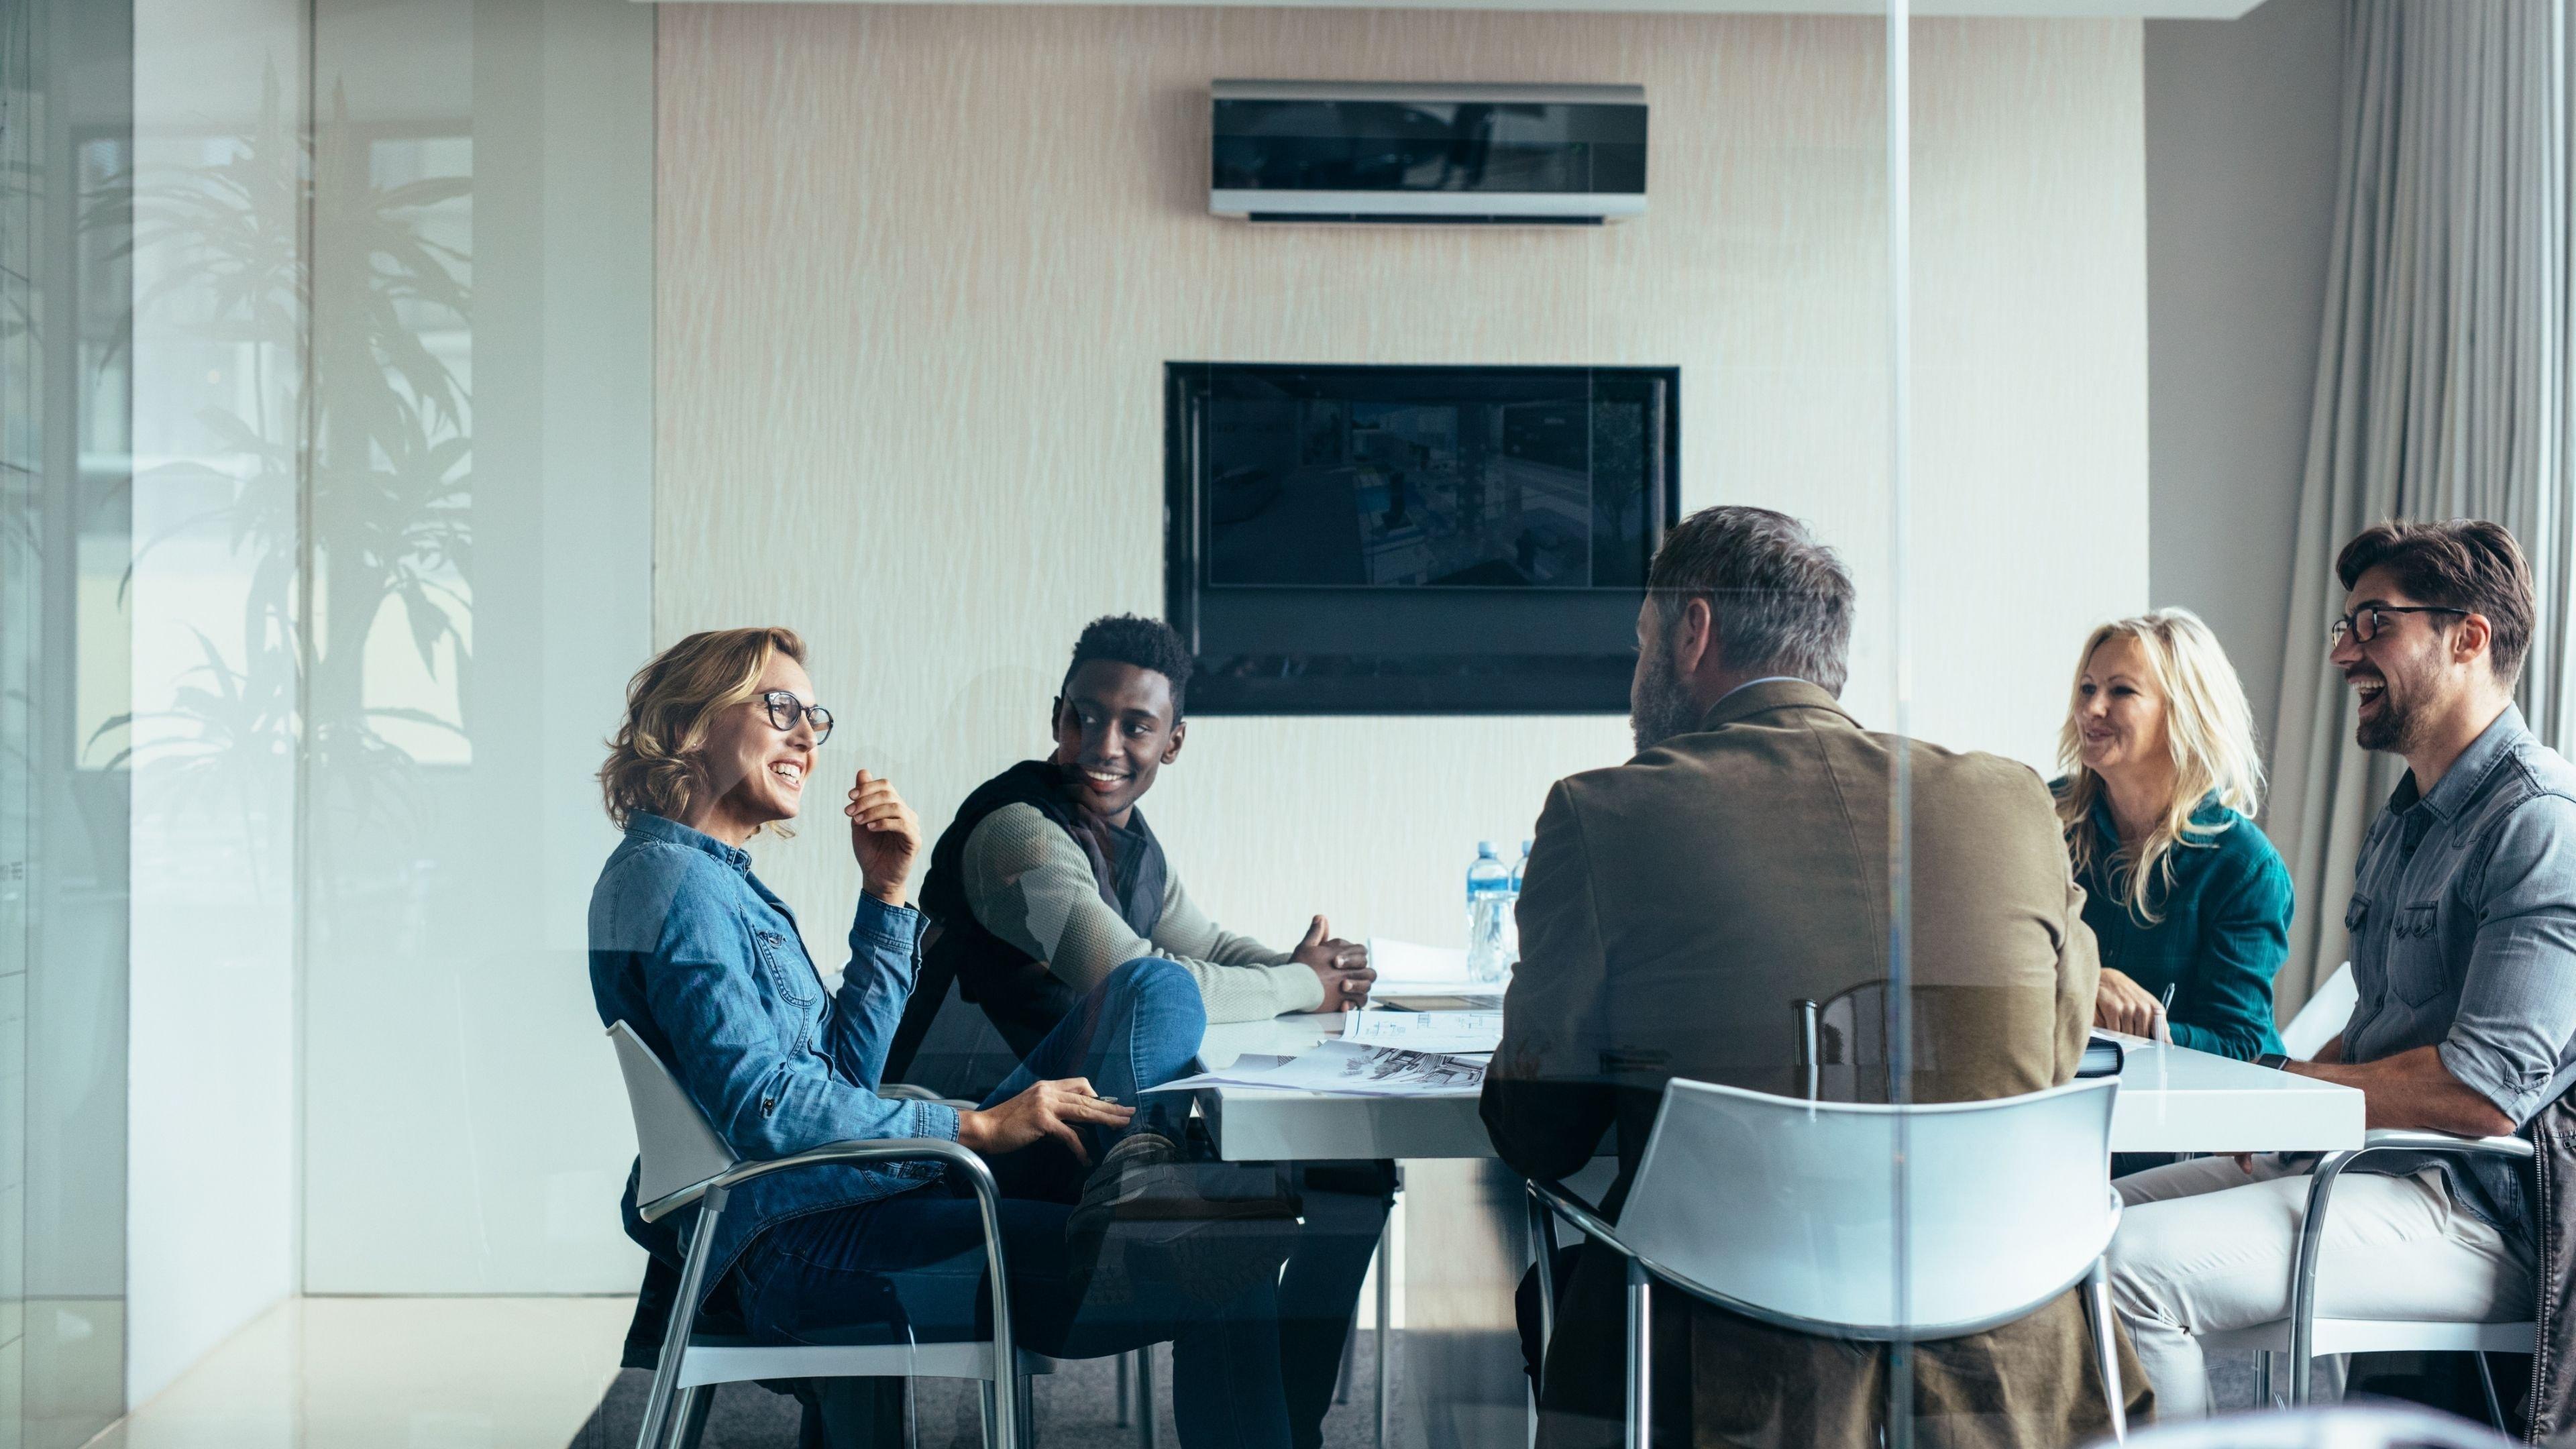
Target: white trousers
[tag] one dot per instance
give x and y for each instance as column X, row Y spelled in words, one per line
column 2204, row 1247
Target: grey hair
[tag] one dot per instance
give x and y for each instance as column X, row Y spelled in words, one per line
column 1781, row 601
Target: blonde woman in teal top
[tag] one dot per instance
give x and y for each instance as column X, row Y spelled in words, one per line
column 2184, row 893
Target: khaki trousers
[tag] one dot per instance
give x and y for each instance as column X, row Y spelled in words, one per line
column 2203, row 1247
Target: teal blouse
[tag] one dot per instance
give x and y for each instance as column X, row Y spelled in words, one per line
column 2223, row 929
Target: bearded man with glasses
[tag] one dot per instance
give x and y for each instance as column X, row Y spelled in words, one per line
column 2463, row 949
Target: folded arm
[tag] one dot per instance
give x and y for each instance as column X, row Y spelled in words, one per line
column 2414, row 1089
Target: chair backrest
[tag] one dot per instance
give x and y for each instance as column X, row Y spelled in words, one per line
column 1842, row 1045
column 1788, row 1211
column 679, row 1151
column 2324, row 1014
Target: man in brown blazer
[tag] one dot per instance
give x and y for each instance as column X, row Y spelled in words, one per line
column 1676, row 909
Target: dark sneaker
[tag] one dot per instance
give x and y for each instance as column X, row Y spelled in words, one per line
column 1149, row 1215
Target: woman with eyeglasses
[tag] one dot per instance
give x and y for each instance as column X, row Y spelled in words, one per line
column 2188, row 900
column 705, row 963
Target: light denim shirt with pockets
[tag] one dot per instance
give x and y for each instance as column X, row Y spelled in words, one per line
column 2463, row 922
column 691, row 950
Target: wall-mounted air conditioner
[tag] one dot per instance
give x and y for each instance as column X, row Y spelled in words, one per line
column 1507, row 155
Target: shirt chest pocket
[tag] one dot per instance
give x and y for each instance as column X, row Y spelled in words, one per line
column 786, row 962
column 2418, row 971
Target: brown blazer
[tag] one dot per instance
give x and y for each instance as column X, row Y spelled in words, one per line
column 1676, row 909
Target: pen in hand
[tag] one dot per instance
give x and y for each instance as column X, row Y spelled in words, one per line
column 2164, row 1015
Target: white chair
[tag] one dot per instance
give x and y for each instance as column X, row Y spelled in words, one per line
column 1794, row 1213
column 2322, row 1015
column 2378, row 1426
column 684, row 1162
column 2303, row 1335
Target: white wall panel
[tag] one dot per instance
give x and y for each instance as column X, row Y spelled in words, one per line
column 2244, row 123
column 920, row 267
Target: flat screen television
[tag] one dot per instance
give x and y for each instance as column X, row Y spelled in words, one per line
column 1415, row 540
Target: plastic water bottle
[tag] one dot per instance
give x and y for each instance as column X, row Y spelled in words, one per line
column 1512, row 914
column 1489, row 913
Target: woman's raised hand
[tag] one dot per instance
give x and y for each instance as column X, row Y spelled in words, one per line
column 1048, row 1109
column 885, row 835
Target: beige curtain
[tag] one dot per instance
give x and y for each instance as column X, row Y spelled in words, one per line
column 2441, row 385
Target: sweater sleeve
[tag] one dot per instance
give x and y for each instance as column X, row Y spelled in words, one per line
column 1257, row 981
column 1030, row 884
column 2244, row 938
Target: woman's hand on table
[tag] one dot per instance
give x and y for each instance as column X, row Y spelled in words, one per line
column 1341, row 965
column 2120, row 1004
column 885, row 836
column 1048, row 1109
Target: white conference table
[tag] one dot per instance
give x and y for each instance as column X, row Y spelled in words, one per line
column 1465, row 1244
column 2172, row 1099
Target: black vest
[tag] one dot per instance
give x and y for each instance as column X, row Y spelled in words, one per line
column 1009, row 983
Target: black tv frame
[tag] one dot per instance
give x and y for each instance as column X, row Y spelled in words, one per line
column 1401, row 682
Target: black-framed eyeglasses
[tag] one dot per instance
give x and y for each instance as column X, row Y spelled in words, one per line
column 2365, row 623
column 786, row 709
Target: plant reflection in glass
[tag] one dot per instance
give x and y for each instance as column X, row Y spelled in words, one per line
column 379, row 415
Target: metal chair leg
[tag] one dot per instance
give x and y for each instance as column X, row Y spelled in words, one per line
column 1126, row 1366
column 1542, row 1235
column 1641, row 1366
column 2106, row 1348
column 2303, row 1275
column 1350, row 1360
column 1028, row 1425
column 1385, row 1317
column 1145, row 1397
column 2486, row 1381
column 2263, row 1380
column 1542, row 1231
column 689, row 1411
column 992, row 1416
column 656, row 1429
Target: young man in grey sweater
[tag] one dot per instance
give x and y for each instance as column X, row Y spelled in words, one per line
column 1049, row 879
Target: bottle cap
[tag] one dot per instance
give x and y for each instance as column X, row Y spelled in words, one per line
column 1484, row 847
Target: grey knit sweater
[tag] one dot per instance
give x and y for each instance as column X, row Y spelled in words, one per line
column 1030, row 884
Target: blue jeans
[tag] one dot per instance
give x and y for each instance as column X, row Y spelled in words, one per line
column 1138, row 1029
column 913, row 1266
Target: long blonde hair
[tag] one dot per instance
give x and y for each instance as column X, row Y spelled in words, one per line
column 2209, row 731
column 671, row 704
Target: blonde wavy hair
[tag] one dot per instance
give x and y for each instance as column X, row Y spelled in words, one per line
column 671, row 705
column 2209, row 730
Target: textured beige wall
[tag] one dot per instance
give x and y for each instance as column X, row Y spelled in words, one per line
column 919, row 269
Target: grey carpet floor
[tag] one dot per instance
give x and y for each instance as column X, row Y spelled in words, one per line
column 1078, row 1409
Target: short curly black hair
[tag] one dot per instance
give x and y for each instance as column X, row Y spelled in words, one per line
column 1145, row 643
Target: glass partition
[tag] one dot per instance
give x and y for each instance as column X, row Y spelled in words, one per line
column 482, row 518
column 486, row 350
column 66, row 462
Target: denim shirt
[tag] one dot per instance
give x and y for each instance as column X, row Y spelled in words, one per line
column 692, row 951
column 2463, row 922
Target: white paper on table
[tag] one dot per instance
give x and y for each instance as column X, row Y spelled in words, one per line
column 1427, row 1031
column 1343, row 1068
column 1403, row 966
